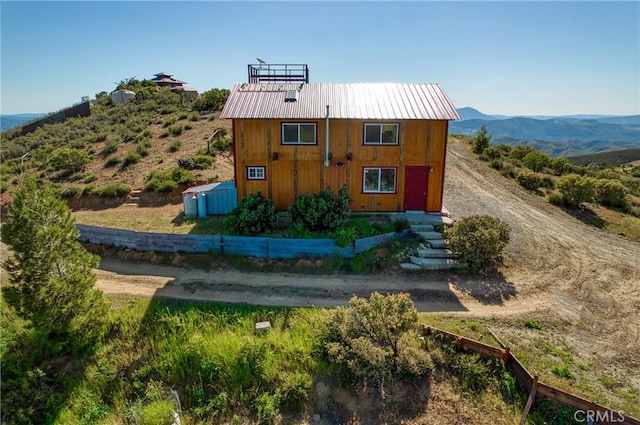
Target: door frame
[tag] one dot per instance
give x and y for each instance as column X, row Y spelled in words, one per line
column 424, row 185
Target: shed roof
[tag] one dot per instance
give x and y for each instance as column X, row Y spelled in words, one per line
column 350, row 100
column 209, row 187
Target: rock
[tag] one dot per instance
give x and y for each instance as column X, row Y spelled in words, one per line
column 316, row 418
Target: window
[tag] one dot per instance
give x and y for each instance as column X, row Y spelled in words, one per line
column 381, row 134
column 298, row 133
column 255, row 173
column 379, row 180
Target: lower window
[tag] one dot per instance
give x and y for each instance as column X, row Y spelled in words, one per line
column 379, row 180
column 255, row 173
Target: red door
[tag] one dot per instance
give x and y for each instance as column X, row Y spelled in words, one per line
column 416, row 179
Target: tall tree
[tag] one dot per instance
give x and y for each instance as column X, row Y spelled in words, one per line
column 50, row 273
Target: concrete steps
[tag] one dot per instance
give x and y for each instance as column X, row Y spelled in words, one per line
column 435, row 253
column 437, row 263
column 133, row 198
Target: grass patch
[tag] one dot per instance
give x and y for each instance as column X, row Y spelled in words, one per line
column 532, row 324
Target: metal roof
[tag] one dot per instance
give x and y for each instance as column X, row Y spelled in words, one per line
column 380, row 101
column 209, row 187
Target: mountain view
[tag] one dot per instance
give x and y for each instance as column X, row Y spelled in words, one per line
column 556, row 135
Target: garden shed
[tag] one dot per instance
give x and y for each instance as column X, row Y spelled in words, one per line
column 209, row 199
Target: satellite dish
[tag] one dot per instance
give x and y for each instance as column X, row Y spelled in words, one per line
column 260, row 61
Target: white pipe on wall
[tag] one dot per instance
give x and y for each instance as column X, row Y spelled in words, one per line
column 326, row 131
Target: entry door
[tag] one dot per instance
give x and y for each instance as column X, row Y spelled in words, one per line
column 416, row 180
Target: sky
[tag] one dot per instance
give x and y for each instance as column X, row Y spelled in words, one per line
column 512, row 58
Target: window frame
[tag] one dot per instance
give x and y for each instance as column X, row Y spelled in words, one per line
column 256, row 168
column 379, row 168
column 298, row 124
column 381, row 143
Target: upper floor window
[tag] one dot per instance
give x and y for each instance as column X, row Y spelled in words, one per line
column 381, row 134
column 298, row 133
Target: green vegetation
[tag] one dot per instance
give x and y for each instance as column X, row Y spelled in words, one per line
column 168, row 180
column 577, row 189
column 212, row 100
column 529, row 181
column 482, row 140
column 68, row 159
column 320, row 211
column 479, row 241
column 253, row 215
column 532, row 324
column 536, row 161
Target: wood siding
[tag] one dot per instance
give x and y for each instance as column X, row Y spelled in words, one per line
column 299, row 168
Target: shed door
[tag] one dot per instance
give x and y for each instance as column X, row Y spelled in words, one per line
column 416, row 180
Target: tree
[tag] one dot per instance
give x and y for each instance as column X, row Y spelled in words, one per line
column 560, row 165
column 212, row 100
column 479, row 240
column 536, row 161
column 481, row 141
column 612, row 193
column 50, row 273
column 577, row 189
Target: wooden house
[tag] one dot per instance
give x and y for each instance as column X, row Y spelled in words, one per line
column 386, row 141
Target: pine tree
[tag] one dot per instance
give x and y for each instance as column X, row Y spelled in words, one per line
column 482, row 140
column 50, row 273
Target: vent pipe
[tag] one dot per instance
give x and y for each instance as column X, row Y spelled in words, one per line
column 326, row 135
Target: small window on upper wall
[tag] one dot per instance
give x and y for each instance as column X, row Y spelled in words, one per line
column 381, row 134
column 256, row 173
column 298, row 133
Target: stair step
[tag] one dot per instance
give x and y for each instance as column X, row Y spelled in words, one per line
column 130, row 204
column 435, row 253
column 136, row 192
column 437, row 263
column 410, row 266
column 422, row 227
column 436, row 243
column 431, row 235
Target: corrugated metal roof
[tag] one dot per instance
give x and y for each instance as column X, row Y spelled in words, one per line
column 209, row 187
column 352, row 100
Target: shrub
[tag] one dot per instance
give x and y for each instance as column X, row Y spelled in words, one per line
column 202, row 161
column 374, row 340
column 556, row 198
column 130, row 159
column 528, row 180
column 490, row 153
column 479, row 240
column 612, row 193
column 70, row 192
column 496, row 164
column 536, row 161
column 112, row 190
column 111, row 146
column 504, row 148
column 576, row 189
column 90, row 178
column 560, row 166
column 68, row 159
column 345, row 236
column 166, row 181
column 169, row 121
column 548, row 183
column 211, row 100
column 482, row 140
column 508, row 171
column 401, row 225
column 532, row 324
column 253, row 215
column 175, row 130
column 112, row 161
column 175, row 146
column 520, row 151
column 194, row 117
column 321, row 211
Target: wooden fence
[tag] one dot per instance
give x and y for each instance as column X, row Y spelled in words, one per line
column 263, row 247
column 590, row 411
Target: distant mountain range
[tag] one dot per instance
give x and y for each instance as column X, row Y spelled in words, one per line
column 7, row 122
column 557, row 135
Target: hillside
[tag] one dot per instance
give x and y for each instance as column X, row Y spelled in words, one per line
column 607, row 158
column 119, row 144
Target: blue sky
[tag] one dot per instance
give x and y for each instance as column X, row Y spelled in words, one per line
column 499, row 57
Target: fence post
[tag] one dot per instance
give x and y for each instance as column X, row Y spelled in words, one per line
column 504, row 354
column 532, row 398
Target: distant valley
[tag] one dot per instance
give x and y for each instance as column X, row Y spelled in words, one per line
column 556, row 135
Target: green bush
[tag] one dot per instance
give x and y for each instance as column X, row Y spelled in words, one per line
column 520, row 151
column 528, row 180
column 536, row 161
column 175, row 146
column 612, row 193
column 560, row 166
column 112, row 161
column 556, row 198
column 166, row 181
column 504, row 148
column 211, row 100
column 253, row 215
column 508, row 171
column 159, row 412
column 479, row 241
column 130, row 159
column 400, row 225
column 548, row 183
column 490, row 153
column 577, row 189
column 111, row 146
column 68, row 159
column 112, row 190
column 70, row 192
column 345, row 236
column 496, row 164
column 321, row 211
column 482, row 140
column 175, row 130
column 374, row 340
column 202, row 161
